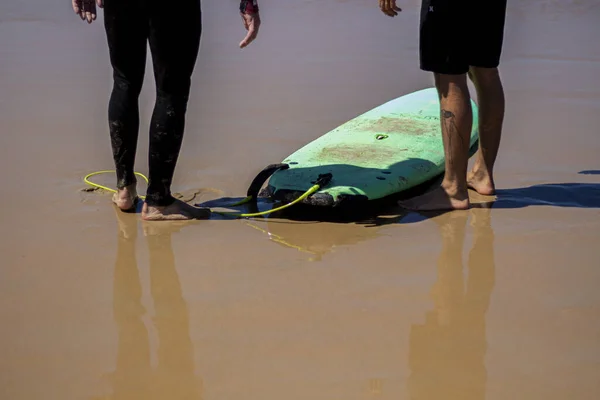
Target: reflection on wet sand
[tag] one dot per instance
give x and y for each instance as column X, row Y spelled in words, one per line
column 447, row 351
column 316, row 239
column 134, row 377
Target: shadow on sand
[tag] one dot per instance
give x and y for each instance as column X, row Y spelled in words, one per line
column 385, row 211
column 355, row 179
column 578, row 195
column 302, row 231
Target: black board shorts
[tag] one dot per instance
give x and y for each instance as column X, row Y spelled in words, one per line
column 457, row 34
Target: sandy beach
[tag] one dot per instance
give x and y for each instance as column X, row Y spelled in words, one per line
column 492, row 303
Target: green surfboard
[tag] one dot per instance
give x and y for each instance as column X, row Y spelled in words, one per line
column 385, row 151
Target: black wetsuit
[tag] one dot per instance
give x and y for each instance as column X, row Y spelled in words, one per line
column 173, row 29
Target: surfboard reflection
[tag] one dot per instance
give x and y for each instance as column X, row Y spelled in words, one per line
column 447, row 351
column 315, row 239
column 134, row 376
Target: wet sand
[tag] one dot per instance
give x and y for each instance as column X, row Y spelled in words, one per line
column 499, row 303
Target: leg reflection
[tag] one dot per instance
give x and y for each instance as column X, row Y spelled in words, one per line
column 175, row 377
column 133, row 371
column 447, row 352
column 134, row 377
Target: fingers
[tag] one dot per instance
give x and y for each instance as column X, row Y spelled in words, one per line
column 90, row 10
column 76, row 6
column 86, row 9
column 100, row 3
column 389, row 7
column 90, row 17
column 252, row 24
column 249, row 37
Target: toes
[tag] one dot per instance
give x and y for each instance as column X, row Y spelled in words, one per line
column 196, row 212
column 178, row 211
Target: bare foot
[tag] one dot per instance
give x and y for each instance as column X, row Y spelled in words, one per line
column 125, row 198
column 176, row 211
column 481, row 182
column 437, row 200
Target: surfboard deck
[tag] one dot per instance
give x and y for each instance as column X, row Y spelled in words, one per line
column 389, row 149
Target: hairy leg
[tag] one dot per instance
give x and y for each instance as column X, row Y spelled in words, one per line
column 456, row 120
column 490, row 95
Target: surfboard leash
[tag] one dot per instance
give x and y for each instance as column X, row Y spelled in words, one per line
column 251, row 194
column 322, row 180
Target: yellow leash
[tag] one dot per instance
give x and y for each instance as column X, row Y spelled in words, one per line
column 320, row 182
column 310, row 191
column 87, row 180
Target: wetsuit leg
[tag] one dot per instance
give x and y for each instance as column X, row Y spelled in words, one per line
column 174, row 36
column 126, row 27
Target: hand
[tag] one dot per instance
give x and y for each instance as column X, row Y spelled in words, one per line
column 251, row 23
column 251, row 19
column 389, row 7
column 86, row 8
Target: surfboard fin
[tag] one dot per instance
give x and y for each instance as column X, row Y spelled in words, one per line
column 262, row 177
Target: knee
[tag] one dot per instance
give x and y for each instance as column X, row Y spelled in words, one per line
column 129, row 87
column 174, row 102
column 175, row 87
column 484, row 76
column 450, row 84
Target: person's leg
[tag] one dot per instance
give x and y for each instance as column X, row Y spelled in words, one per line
column 175, row 29
column 456, row 120
column 442, row 52
column 490, row 94
column 126, row 29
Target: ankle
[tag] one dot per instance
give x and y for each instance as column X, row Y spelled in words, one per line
column 480, row 172
column 482, row 166
column 128, row 188
column 455, row 188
